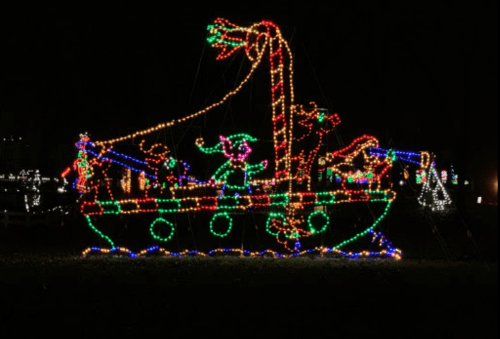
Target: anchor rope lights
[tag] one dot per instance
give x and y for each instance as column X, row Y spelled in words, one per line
column 150, row 179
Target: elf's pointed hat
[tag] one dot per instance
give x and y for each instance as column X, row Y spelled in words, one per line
column 235, row 139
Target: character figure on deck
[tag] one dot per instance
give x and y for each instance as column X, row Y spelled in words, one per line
column 235, row 175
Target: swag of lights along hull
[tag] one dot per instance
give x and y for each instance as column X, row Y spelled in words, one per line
column 389, row 251
column 287, row 196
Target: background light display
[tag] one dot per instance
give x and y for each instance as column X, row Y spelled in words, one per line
column 433, row 192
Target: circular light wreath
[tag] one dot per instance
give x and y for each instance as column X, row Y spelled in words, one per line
column 311, row 227
column 157, row 237
column 228, row 229
column 274, row 215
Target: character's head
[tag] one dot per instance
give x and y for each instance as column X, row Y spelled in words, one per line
column 236, row 153
column 327, row 122
column 314, row 120
column 234, row 147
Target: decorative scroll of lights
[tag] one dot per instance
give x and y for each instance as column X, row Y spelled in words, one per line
column 155, row 181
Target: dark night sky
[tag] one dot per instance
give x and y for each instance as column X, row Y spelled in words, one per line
column 421, row 75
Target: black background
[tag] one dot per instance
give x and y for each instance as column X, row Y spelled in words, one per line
column 417, row 75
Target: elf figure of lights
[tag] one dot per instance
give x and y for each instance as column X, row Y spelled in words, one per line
column 235, row 175
column 433, row 192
